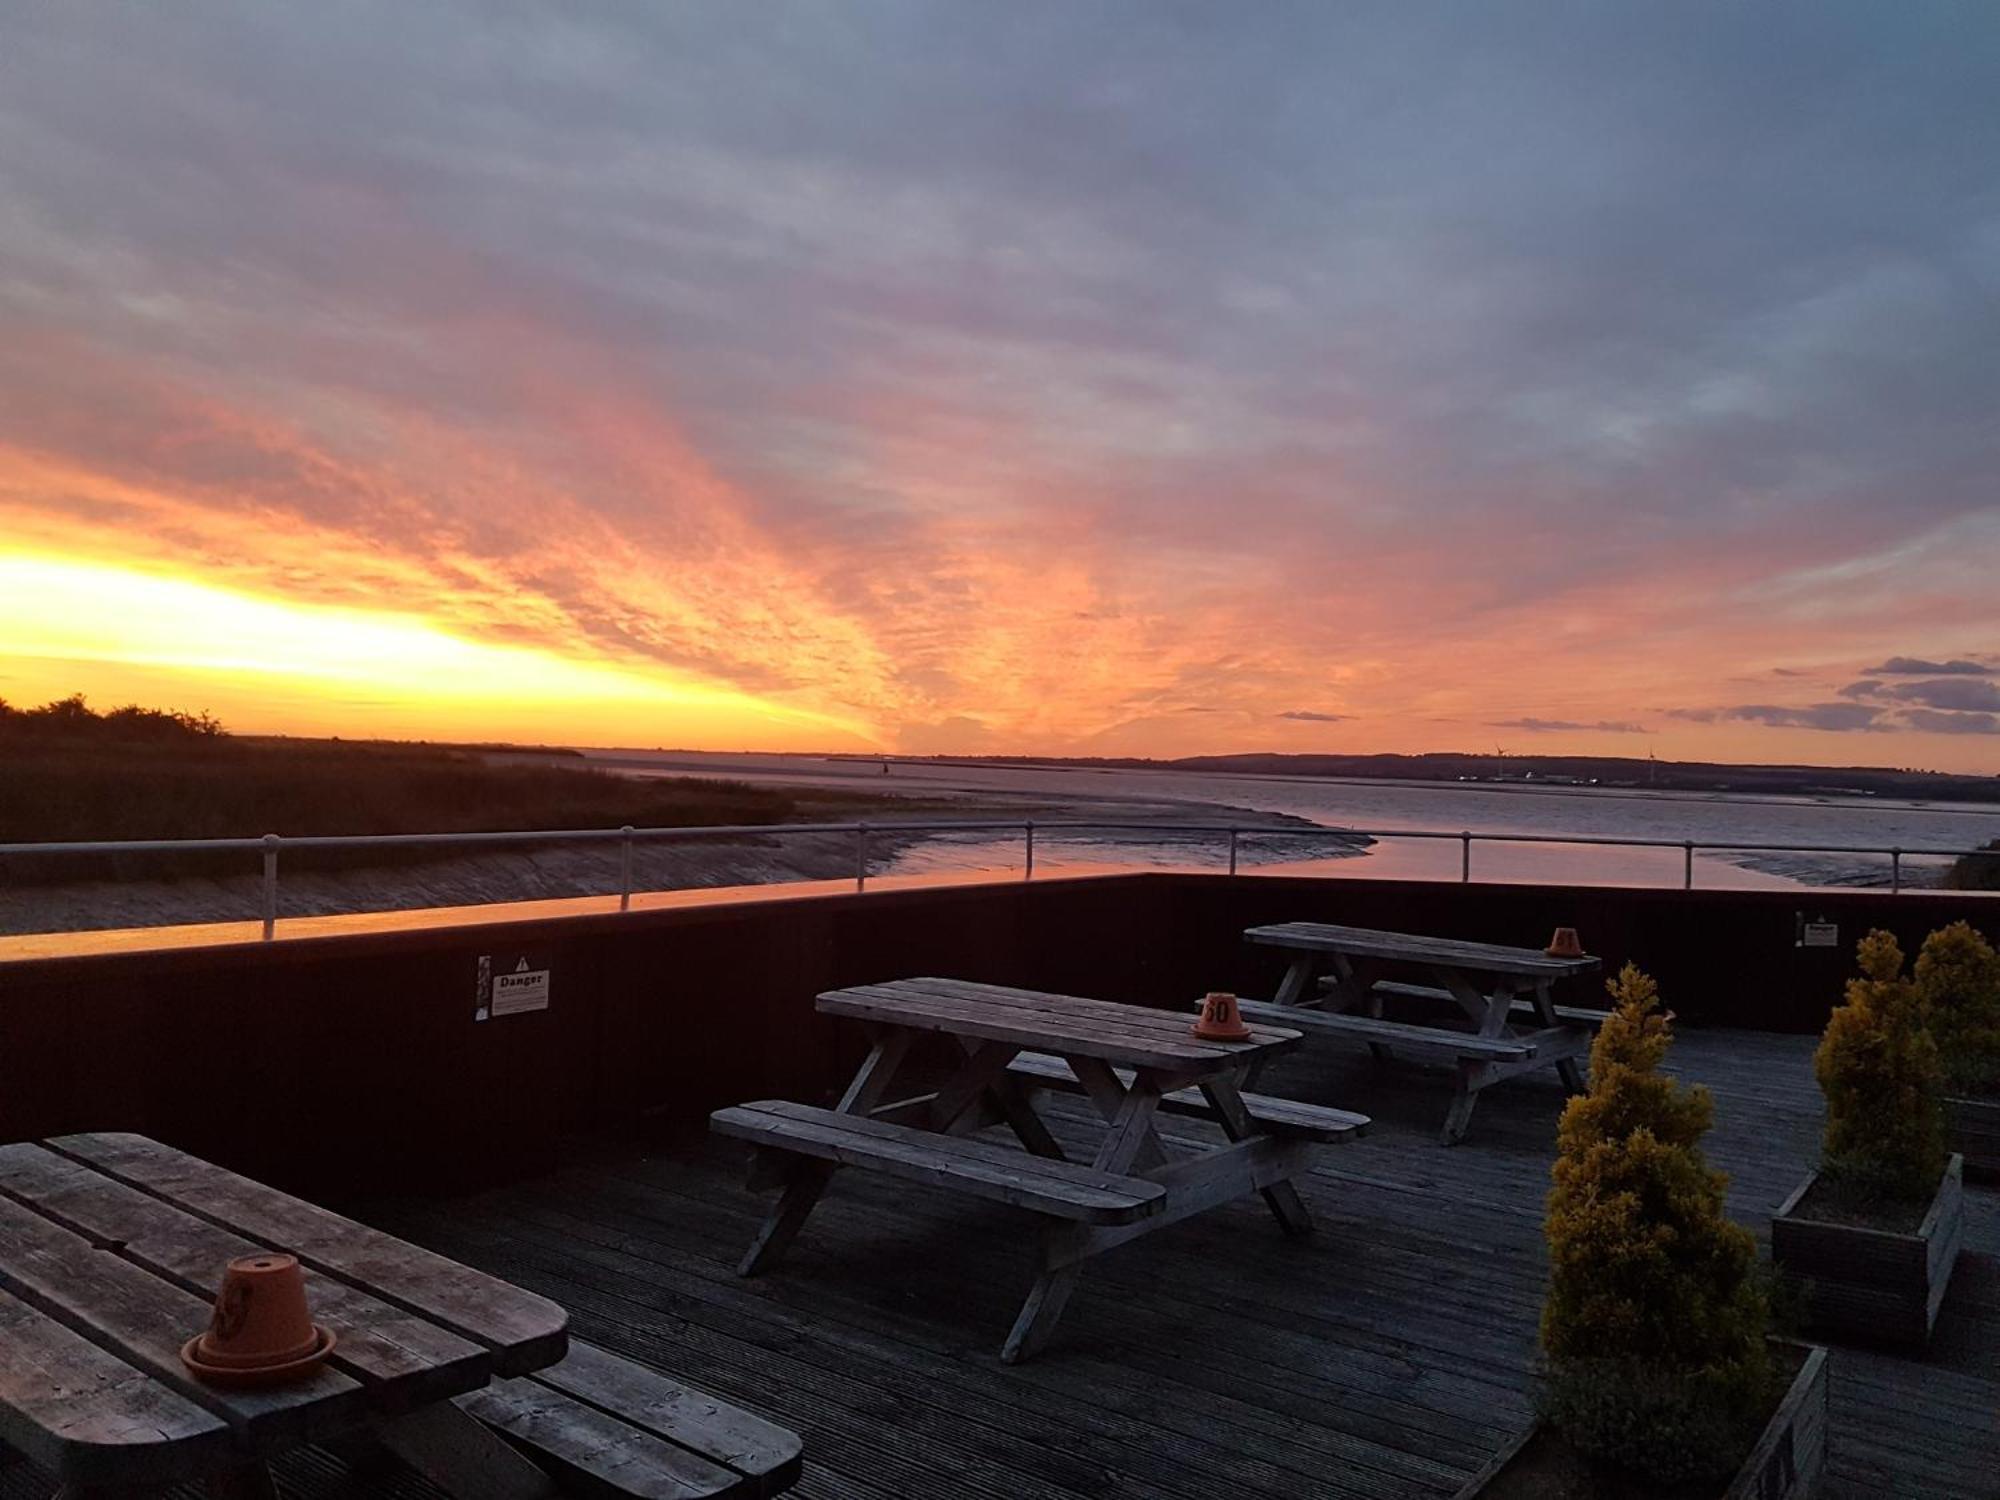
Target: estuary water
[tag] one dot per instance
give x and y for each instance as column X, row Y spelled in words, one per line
column 950, row 790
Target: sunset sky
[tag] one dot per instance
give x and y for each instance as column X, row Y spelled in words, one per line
column 1054, row 376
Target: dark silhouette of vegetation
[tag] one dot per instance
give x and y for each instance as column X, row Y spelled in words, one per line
column 1976, row 872
column 1655, row 1322
column 70, row 774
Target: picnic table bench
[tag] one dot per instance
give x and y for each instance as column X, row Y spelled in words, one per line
column 111, row 1248
column 1130, row 1061
column 1492, row 985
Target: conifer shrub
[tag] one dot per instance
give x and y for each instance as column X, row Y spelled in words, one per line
column 1877, row 1064
column 1958, row 984
column 1654, row 1328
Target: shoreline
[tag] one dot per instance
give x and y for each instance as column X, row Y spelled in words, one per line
column 553, row 871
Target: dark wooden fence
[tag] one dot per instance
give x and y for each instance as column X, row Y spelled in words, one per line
column 351, row 1064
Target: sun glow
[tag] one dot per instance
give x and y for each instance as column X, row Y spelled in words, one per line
column 264, row 664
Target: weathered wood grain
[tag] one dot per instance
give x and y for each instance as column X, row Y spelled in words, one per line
column 1288, row 1117
column 1365, row 942
column 1432, row 1040
column 90, row 1418
column 145, row 1320
column 979, row 1168
column 765, row 1455
column 409, row 1360
column 522, row 1331
column 1131, row 1035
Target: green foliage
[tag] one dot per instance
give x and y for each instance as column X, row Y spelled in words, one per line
column 1878, row 1066
column 1656, row 1316
column 1958, row 985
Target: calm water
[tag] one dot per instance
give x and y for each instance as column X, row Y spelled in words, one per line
column 1374, row 805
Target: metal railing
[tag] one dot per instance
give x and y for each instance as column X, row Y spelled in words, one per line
column 271, row 845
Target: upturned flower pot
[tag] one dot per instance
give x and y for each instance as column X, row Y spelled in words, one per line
column 261, row 1331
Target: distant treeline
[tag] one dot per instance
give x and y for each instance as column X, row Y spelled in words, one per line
column 1605, row 770
column 70, row 774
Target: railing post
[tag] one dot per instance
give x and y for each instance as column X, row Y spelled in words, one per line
column 860, row 856
column 1028, row 842
column 1687, row 865
column 1232, row 851
column 1465, row 857
column 1896, row 871
column 625, row 868
column 271, row 842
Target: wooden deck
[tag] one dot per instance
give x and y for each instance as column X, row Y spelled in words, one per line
column 1386, row 1356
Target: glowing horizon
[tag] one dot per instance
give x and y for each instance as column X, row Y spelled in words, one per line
column 1120, row 383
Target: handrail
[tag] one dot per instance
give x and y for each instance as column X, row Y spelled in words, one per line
column 270, row 845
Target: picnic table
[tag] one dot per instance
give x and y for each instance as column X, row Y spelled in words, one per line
column 111, row 1249
column 1335, row 986
column 1131, row 1062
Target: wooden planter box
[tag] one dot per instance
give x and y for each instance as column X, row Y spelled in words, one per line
column 1784, row 1464
column 1874, row 1284
column 1972, row 1129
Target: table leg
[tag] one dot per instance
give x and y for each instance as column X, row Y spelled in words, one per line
column 458, row 1454
column 1281, row 1197
column 1350, row 993
column 1459, row 1117
column 808, row 1178
column 1107, row 1095
column 1131, row 1130
column 1296, row 988
column 1567, row 1070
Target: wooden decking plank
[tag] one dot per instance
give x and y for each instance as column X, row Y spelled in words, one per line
column 377, row 1343
column 1409, row 1316
column 1164, row 1478
column 524, row 1331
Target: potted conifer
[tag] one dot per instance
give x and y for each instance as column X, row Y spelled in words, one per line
column 1661, row 1377
column 1873, row 1234
column 1958, row 981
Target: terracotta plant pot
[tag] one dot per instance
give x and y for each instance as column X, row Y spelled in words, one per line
column 1565, row 944
column 1220, row 1020
column 261, row 1332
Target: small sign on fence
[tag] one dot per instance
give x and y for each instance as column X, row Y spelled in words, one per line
column 1819, row 935
column 512, row 983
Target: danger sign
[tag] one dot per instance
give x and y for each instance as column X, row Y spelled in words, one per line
column 512, row 983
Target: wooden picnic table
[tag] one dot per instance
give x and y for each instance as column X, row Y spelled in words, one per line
column 1335, row 985
column 111, row 1249
column 1130, row 1061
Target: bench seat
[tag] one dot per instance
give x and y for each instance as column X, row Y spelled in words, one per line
column 1285, row 1117
column 1574, row 1015
column 606, row 1426
column 1001, row 1174
column 1432, row 1039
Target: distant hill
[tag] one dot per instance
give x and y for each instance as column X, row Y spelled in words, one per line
column 1555, row 770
